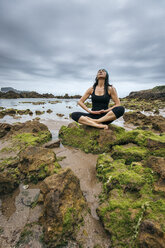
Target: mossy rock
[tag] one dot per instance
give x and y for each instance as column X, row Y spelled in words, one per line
column 94, row 140
column 128, row 199
column 64, row 205
column 9, row 180
column 90, row 139
column 129, row 153
column 79, row 137
column 37, row 163
column 32, row 139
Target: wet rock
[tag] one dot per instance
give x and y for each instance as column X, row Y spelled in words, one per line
column 54, row 102
column 94, row 140
column 157, row 164
column 89, row 139
column 36, row 163
column 30, row 112
column 32, row 165
column 29, row 133
column 138, row 119
column 8, row 112
column 151, row 235
column 106, row 138
column 30, row 197
column 4, row 129
column 60, row 115
column 38, row 103
column 15, row 154
column 146, row 100
column 129, row 152
column 37, row 118
column 9, row 180
column 21, row 229
column 130, row 210
column 24, row 112
column 156, row 144
column 38, row 112
column 14, row 112
column 52, row 144
column 49, row 111
column 73, row 125
column 63, row 206
column 156, row 112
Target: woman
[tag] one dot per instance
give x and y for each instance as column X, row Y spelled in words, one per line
column 101, row 92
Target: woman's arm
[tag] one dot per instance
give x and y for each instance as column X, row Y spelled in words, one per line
column 114, row 96
column 83, row 98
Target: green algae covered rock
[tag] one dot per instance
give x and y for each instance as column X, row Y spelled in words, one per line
column 90, row 139
column 31, row 139
column 94, row 140
column 128, row 201
column 32, row 164
column 64, row 204
column 22, row 158
column 77, row 136
column 36, row 163
column 129, row 152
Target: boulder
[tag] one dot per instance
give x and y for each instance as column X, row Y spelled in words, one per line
column 4, row 129
column 63, row 206
column 130, row 152
column 130, row 210
column 151, row 235
column 138, row 119
column 38, row 112
column 52, row 144
column 49, row 111
column 9, row 175
column 36, row 163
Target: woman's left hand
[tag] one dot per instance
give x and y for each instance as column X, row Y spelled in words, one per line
column 102, row 111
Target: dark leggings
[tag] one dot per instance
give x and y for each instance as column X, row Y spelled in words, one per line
column 118, row 111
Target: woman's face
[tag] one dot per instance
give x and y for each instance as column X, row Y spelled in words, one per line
column 101, row 74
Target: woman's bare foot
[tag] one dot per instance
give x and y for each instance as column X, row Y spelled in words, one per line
column 103, row 126
column 106, row 127
column 99, row 125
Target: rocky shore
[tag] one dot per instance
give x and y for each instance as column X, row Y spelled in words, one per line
column 32, row 94
column 131, row 168
column 91, row 188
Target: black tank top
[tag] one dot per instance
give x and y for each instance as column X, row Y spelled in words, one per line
column 100, row 102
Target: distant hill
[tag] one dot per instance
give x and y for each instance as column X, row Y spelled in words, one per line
column 6, row 89
column 157, row 92
column 11, row 93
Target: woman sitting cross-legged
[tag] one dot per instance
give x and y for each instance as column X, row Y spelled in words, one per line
column 101, row 92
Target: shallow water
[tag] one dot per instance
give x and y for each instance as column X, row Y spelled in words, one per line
column 52, row 120
column 65, row 107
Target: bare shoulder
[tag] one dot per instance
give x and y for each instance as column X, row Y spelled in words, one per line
column 90, row 90
column 111, row 89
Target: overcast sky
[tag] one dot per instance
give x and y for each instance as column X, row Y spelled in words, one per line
column 57, row 46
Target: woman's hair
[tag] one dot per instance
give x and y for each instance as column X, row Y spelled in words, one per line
column 106, row 82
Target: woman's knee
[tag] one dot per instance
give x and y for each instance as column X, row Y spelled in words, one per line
column 74, row 116
column 118, row 111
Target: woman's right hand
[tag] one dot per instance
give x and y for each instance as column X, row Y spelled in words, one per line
column 97, row 112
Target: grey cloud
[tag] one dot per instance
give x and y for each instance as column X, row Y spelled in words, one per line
column 58, row 40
